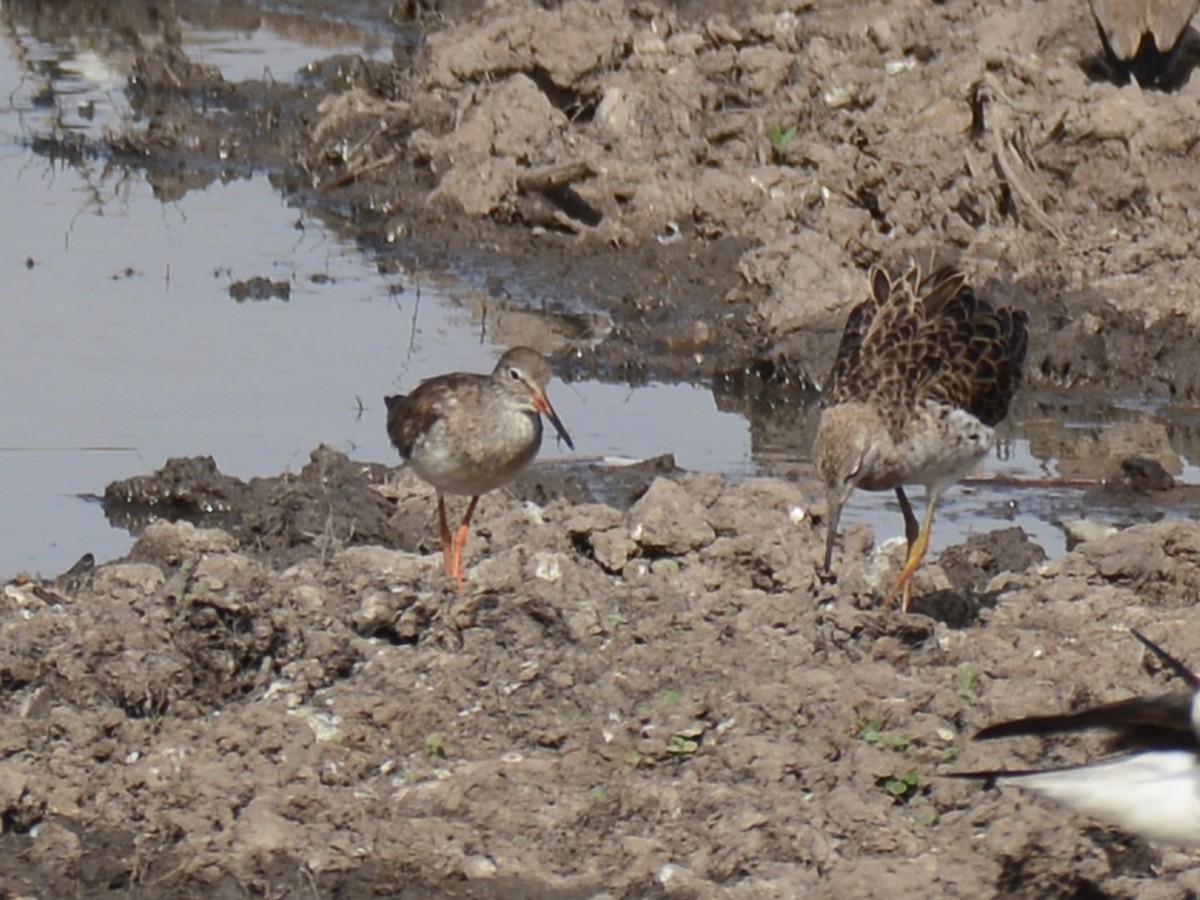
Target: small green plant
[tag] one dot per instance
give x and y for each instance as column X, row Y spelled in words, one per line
column 950, row 754
column 435, row 746
column 902, row 786
column 966, row 682
column 928, row 817
column 780, row 137
column 635, row 760
column 873, row 733
column 616, row 619
column 679, row 745
column 667, row 567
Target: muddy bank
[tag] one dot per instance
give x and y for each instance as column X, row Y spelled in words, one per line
column 717, row 179
column 663, row 700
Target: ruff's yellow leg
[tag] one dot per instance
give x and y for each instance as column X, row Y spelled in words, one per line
column 916, row 553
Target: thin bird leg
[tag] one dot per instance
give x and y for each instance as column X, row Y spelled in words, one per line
column 447, row 547
column 916, row 553
column 911, row 530
column 460, row 541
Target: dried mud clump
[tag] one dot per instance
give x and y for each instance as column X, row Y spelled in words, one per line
column 669, row 692
column 822, row 140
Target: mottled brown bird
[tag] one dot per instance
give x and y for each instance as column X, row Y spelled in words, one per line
column 1141, row 36
column 924, row 371
column 469, row 434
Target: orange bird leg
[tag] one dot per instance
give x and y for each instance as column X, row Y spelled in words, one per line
column 460, row 542
column 916, row 553
column 447, row 547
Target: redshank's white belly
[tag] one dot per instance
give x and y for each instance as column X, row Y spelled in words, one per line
column 472, row 461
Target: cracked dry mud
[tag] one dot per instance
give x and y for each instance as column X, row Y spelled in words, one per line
column 652, row 694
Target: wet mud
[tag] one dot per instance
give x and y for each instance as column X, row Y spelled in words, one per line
column 649, row 688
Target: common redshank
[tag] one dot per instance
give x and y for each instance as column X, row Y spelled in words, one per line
column 1151, row 787
column 1141, row 37
column 924, row 371
column 469, row 434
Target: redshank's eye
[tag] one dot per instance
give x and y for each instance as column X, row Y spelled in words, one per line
column 514, row 374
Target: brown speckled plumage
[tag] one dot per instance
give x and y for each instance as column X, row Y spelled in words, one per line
column 1124, row 24
column 914, row 339
column 924, row 369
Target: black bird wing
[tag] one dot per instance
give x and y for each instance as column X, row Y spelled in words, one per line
column 1160, row 722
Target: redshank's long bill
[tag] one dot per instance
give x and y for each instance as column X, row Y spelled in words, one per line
column 1151, row 788
column 468, row 434
column 923, row 372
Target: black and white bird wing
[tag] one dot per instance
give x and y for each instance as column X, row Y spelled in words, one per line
column 1151, row 788
column 1161, row 721
column 1154, row 794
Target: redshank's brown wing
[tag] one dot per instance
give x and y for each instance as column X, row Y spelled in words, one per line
column 1124, row 22
column 412, row 415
